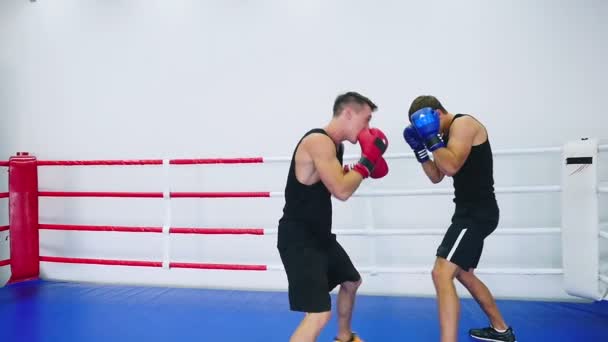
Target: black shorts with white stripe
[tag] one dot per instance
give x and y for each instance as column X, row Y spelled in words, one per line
column 471, row 224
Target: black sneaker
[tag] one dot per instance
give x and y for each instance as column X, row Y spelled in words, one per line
column 489, row 334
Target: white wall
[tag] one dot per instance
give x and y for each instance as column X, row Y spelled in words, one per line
column 171, row 79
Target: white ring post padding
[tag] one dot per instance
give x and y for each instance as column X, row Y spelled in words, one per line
column 580, row 220
column 427, row 270
column 167, row 218
column 434, row 231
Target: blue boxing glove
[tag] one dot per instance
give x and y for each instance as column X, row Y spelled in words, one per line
column 426, row 122
column 415, row 141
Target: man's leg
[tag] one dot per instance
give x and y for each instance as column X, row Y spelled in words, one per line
column 306, row 269
column 343, row 272
column 484, row 298
column 310, row 327
column 498, row 330
column 346, row 303
column 484, row 223
column 447, row 298
column 451, row 254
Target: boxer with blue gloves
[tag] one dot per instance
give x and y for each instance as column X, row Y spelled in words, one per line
column 460, row 149
column 426, row 123
column 415, row 141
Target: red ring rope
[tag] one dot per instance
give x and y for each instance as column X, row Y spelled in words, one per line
column 148, row 162
column 217, row 161
column 219, row 194
column 73, row 227
column 4, row 163
column 98, row 162
column 3, row 194
column 175, row 230
column 99, row 194
column 4, row 228
column 153, row 194
column 101, row 261
column 139, row 229
column 232, row 267
column 214, row 231
column 5, row 262
column 153, row 264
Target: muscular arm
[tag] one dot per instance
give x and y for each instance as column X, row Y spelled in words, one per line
column 432, row 171
column 323, row 153
column 450, row 159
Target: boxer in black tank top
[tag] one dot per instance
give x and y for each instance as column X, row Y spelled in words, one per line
column 315, row 263
column 461, row 149
column 306, row 219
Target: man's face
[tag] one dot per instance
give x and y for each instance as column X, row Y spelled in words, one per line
column 359, row 117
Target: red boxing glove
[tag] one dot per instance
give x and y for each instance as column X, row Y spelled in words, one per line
column 373, row 144
column 379, row 134
column 380, row 170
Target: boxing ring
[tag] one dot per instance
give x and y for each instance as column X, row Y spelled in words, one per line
column 60, row 294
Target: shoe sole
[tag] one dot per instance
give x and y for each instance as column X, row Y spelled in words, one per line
column 487, row 339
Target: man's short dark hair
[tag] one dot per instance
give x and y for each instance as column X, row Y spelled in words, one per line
column 350, row 98
column 424, row 101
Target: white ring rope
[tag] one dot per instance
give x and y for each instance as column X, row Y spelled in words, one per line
column 446, row 191
column 431, row 232
column 409, row 155
column 427, row 270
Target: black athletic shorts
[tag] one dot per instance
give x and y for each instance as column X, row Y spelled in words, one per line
column 313, row 271
column 471, row 224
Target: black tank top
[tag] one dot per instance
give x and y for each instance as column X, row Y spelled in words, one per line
column 307, row 214
column 474, row 182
